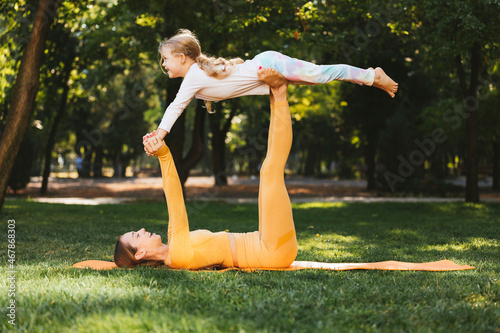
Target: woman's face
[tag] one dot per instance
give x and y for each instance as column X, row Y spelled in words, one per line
column 142, row 240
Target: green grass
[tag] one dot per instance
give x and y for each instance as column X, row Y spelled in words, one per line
column 53, row 297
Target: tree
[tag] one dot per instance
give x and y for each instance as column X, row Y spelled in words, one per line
column 25, row 90
column 67, row 44
column 489, row 122
column 465, row 37
column 220, row 124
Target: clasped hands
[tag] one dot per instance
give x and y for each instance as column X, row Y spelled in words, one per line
column 152, row 144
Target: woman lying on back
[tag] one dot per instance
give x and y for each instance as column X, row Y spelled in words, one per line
column 274, row 245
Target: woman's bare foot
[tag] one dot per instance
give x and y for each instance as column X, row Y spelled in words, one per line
column 272, row 77
column 384, row 82
column 279, row 93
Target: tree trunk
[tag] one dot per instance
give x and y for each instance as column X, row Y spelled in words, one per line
column 472, row 186
column 218, row 153
column 471, row 103
column 370, row 167
column 311, row 160
column 197, row 148
column 86, row 162
column 97, row 165
column 496, row 166
column 25, row 91
column 175, row 140
column 117, row 164
column 219, row 144
column 55, row 125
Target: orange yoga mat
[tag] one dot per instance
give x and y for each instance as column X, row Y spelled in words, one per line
column 442, row 265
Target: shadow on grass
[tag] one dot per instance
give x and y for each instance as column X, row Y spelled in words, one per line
column 333, row 232
column 149, row 299
column 398, row 231
column 56, row 297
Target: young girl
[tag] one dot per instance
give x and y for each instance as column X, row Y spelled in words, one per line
column 213, row 79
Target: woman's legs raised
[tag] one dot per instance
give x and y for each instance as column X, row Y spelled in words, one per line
column 303, row 72
column 276, row 227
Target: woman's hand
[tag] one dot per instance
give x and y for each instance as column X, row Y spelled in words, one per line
column 152, row 144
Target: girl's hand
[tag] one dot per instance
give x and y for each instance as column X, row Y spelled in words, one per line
column 152, row 144
column 144, row 140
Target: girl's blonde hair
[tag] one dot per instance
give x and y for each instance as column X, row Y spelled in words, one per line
column 185, row 42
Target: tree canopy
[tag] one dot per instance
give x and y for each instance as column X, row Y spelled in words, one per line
column 101, row 87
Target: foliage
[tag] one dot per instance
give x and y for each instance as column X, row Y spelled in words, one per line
column 117, row 91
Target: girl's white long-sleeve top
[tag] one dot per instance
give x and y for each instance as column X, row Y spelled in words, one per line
column 242, row 81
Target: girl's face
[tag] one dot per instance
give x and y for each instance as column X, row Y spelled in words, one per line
column 142, row 240
column 173, row 64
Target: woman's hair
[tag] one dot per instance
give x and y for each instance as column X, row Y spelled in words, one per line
column 185, row 42
column 125, row 256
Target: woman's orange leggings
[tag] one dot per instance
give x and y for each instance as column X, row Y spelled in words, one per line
column 275, row 244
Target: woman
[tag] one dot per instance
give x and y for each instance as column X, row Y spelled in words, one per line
column 274, row 245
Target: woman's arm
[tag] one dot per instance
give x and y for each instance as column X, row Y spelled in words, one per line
column 181, row 251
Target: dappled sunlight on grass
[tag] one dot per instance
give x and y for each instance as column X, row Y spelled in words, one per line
column 8, row 206
column 402, row 234
column 475, row 205
column 58, row 298
column 114, row 320
column 90, row 299
column 326, row 238
column 471, row 244
column 327, row 247
column 468, row 209
column 308, row 205
column 478, row 301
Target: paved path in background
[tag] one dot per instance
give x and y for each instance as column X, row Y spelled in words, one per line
column 85, row 201
column 240, row 190
column 107, row 201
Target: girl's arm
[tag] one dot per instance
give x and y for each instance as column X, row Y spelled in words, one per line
column 181, row 251
column 161, row 133
column 192, row 83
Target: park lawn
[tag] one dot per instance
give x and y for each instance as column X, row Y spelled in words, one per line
column 51, row 296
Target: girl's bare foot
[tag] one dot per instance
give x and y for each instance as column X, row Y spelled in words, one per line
column 384, row 82
column 272, row 77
